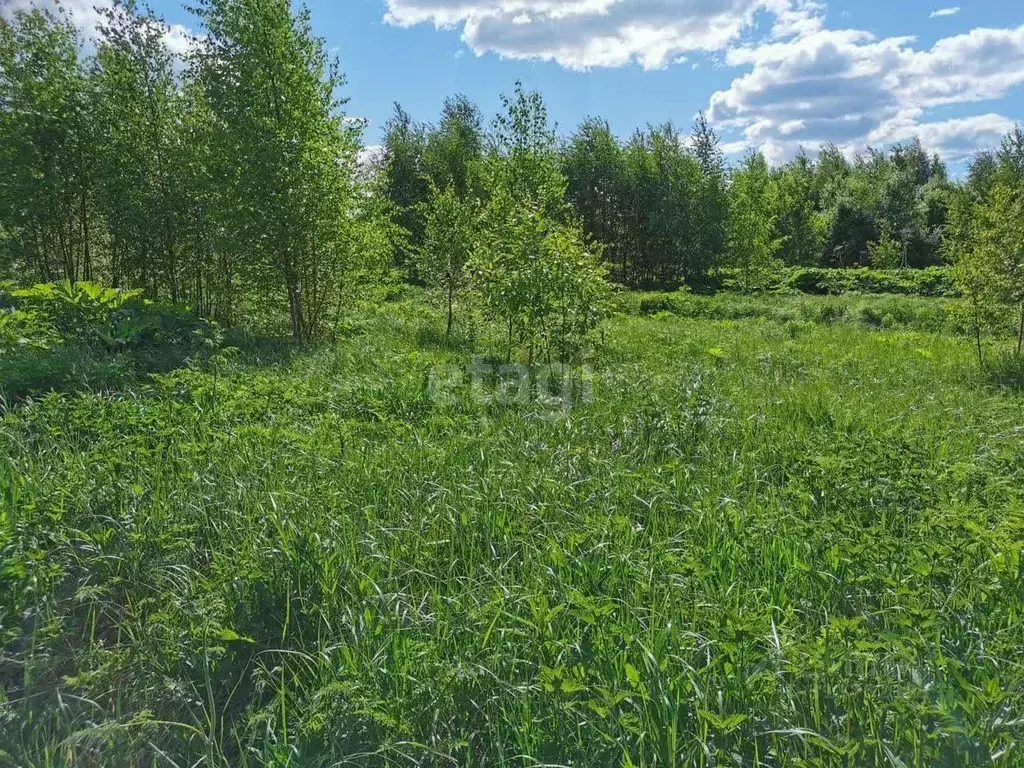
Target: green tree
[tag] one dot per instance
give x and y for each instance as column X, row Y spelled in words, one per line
column 449, row 239
column 981, row 174
column 209, row 277
column 532, row 269
column 46, row 127
column 289, row 154
column 984, row 240
column 139, row 108
column 1010, row 158
column 454, row 149
column 593, row 164
column 404, row 183
column 885, row 253
column 645, row 199
column 958, row 248
column 640, row 197
column 684, row 245
column 523, row 162
column 538, row 277
column 709, row 230
column 999, row 252
column 800, row 228
column 751, row 228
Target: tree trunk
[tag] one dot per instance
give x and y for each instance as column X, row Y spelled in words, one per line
column 451, row 305
column 84, row 222
column 295, row 304
column 977, row 331
column 65, row 249
column 509, row 355
column 1020, row 332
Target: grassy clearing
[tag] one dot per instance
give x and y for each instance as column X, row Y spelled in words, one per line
column 759, row 543
column 911, row 313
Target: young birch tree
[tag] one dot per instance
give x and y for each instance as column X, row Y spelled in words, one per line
column 139, row 109
column 288, row 152
column 45, row 148
column 449, row 238
column 532, row 267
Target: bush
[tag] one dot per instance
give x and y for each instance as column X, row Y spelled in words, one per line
column 1006, row 371
column 87, row 312
column 658, row 303
column 888, row 312
column 808, row 281
column 33, row 371
column 56, row 337
column 933, row 282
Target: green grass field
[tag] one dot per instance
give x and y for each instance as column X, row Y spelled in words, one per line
column 789, row 537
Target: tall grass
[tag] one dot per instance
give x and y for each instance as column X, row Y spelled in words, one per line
column 762, row 544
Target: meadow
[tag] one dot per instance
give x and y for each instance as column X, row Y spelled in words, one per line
column 770, row 531
column 265, row 504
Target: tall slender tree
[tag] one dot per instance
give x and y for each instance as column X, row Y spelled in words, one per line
column 454, row 149
column 593, row 164
column 752, row 239
column 139, row 108
column 404, row 183
column 281, row 131
column 710, row 218
column 46, row 125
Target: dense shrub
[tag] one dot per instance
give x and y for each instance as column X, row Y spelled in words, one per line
column 84, row 336
column 86, row 312
column 933, row 282
column 653, row 303
column 888, row 312
column 930, row 282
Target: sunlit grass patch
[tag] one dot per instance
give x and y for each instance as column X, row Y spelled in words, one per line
column 747, row 545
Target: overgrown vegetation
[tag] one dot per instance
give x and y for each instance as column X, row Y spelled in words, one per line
column 54, row 337
column 773, row 543
column 226, row 178
column 932, row 282
column 433, row 485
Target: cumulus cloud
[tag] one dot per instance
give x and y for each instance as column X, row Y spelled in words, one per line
column 850, row 88
column 956, row 139
column 804, row 84
column 581, row 34
column 84, row 14
column 88, row 15
column 369, row 157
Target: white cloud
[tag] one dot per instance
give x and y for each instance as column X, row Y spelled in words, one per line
column 84, row 14
column 848, row 87
column 581, row 34
column 980, row 65
column 179, row 39
column 370, row 156
column 805, row 84
column 956, row 139
column 88, row 15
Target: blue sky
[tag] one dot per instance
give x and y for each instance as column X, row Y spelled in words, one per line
column 773, row 74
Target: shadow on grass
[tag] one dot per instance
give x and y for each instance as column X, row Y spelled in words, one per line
column 31, row 372
column 431, row 337
column 262, row 350
column 1006, row 372
column 76, row 367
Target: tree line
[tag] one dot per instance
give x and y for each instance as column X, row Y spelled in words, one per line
column 664, row 208
column 669, row 209
column 226, row 177
column 223, row 177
